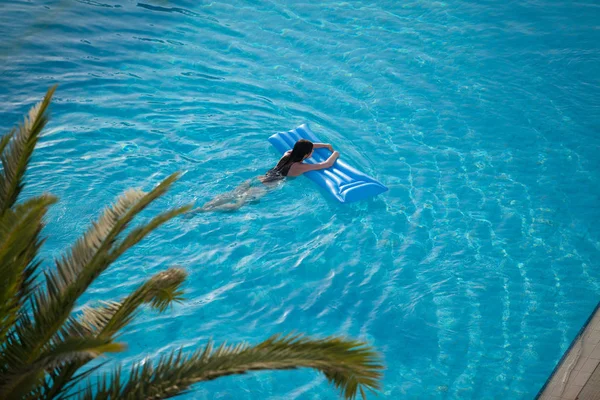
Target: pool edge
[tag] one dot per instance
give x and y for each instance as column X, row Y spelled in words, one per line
column 566, row 354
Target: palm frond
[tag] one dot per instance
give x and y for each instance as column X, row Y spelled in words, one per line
column 139, row 233
column 144, row 202
column 6, row 139
column 106, row 253
column 350, row 365
column 110, row 318
column 59, row 385
column 159, row 291
column 69, row 266
column 94, row 319
column 16, row 383
column 59, row 300
column 164, row 288
column 51, row 308
column 89, row 257
column 52, row 305
column 19, row 243
column 15, row 155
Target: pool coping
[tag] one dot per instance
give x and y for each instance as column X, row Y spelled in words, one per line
column 566, row 354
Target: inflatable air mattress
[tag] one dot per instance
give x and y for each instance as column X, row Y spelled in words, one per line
column 344, row 182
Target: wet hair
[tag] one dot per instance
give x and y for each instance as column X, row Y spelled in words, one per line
column 301, row 149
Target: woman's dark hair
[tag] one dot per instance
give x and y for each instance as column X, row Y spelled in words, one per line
column 301, row 149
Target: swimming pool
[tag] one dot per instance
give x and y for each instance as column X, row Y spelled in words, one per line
column 471, row 275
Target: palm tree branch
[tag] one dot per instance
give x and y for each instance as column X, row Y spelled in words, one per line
column 59, row 386
column 144, row 202
column 6, row 139
column 69, row 266
column 160, row 291
column 52, row 307
column 23, row 380
column 15, row 155
column 110, row 318
column 350, row 365
column 139, row 233
column 19, row 242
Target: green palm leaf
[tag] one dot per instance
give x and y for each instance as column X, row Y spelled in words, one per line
column 19, row 382
column 52, row 307
column 160, row 291
column 350, row 365
column 70, row 266
column 106, row 321
column 15, row 155
column 19, row 242
column 6, row 139
column 50, row 320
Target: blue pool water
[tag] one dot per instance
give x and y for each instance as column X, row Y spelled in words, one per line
column 471, row 275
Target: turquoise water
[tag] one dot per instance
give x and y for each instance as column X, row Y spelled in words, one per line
column 472, row 274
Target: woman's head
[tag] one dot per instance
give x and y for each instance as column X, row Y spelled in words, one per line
column 302, row 150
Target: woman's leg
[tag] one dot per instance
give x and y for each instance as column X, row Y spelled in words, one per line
column 230, row 206
column 229, row 201
column 219, row 200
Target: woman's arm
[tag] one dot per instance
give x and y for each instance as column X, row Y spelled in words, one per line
column 322, row 145
column 300, row 168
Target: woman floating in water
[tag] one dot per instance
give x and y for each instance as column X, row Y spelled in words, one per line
column 290, row 165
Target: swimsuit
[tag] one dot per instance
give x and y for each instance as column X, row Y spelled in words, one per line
column 272, row 175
